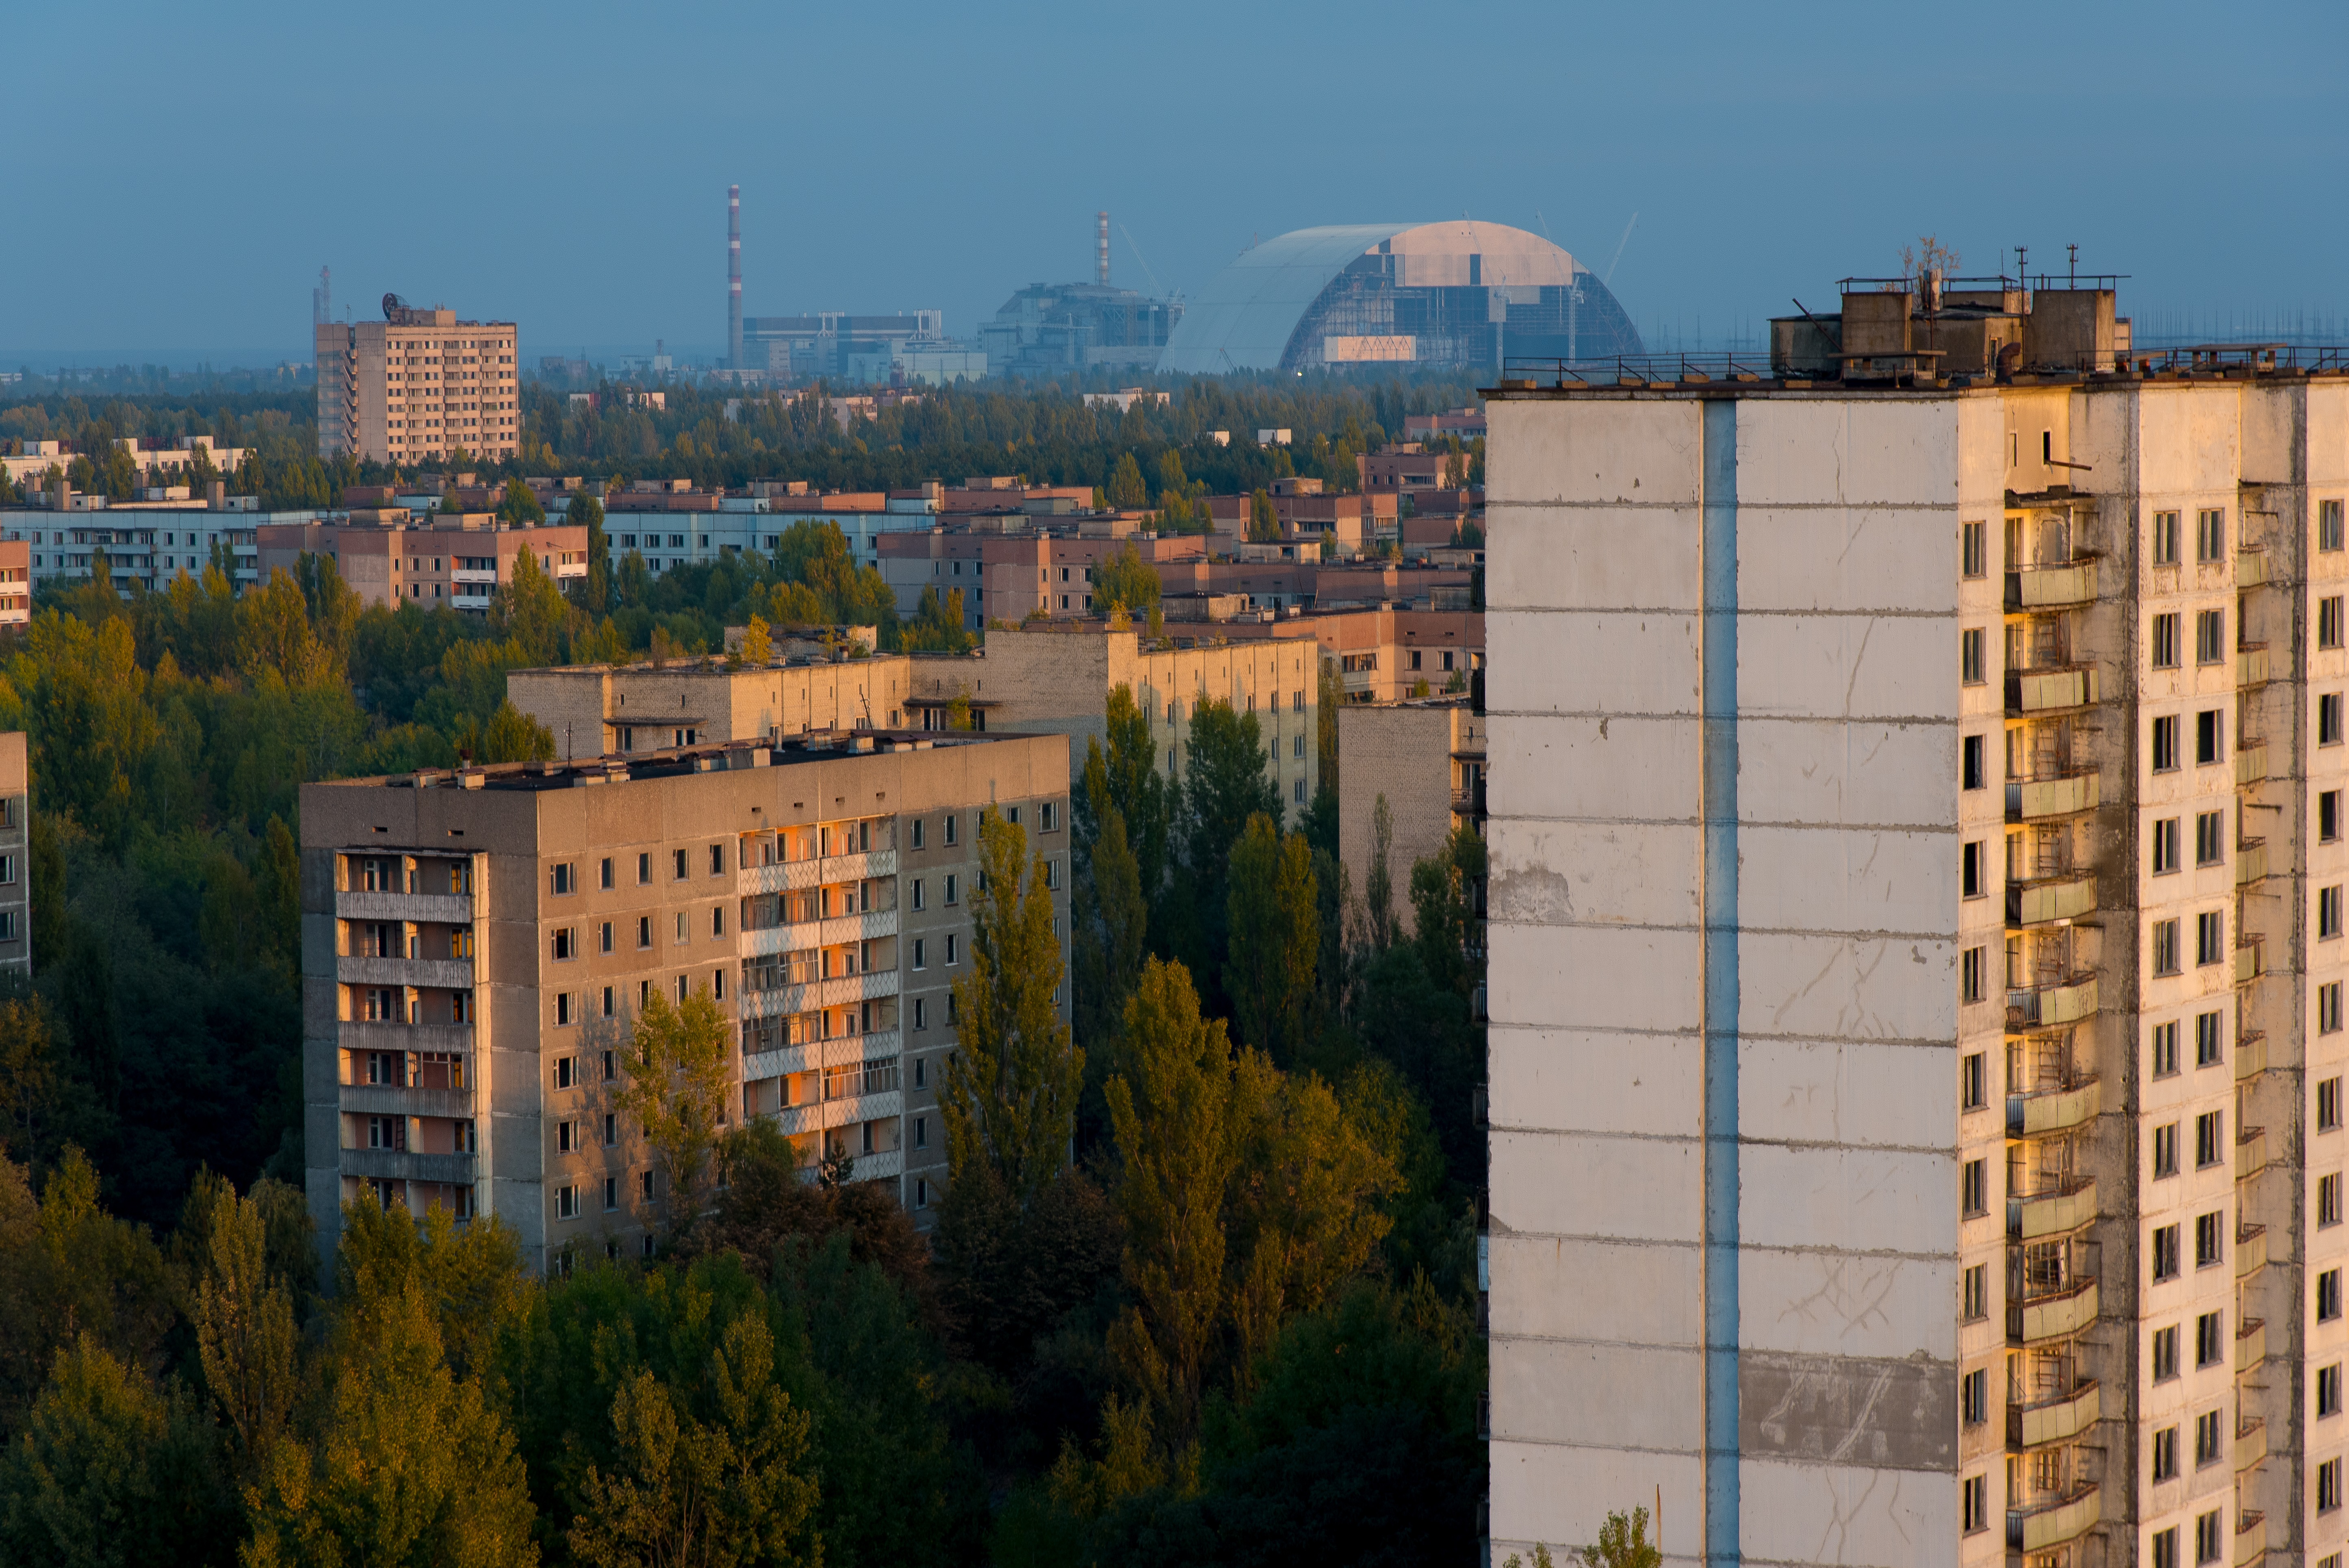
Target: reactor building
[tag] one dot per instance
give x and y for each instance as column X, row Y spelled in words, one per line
column 1444, row 295
column 1059, row 329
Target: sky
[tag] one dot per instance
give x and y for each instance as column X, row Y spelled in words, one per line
column 181, row 172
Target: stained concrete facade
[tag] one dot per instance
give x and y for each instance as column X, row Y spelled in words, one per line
column 596, row 710
column 475, row 945
column 1916, row 1043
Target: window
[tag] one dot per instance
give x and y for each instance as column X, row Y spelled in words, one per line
column 603, row 937
column 2210, row 838
column 2328, row 1295
column 921, row 955
column 1970, row 643
column 2328, row 1009
column 2328, row 621
column 2211, row 637
column 603, row 874
column 1973, row 1396
column 950, row 831
column 644, row 868
column 2209, row 937
column 2328, row 816
column 2208, row 1543
column 2328, row 719
column 1973, row 1089
column 2165, row 846
column 677, row 864
column 2165, row 1253
column 951, row 959
column 2165, row 538
column 1973, row 878
column 563, row 879
column 2328, row 1486
column 2328, row 1200
column 717, row 860
column 1972, row 551
column 2209, row 1347
column 644, row 931
column 917, row 832
column 566, row 945
column 2210, row 536
column 1048, row 817
column 1970, row 975
column 1976, row 765
column 2328, row 912
column 610, row 1193
column 562, row 1008
column 2328, row 1390
column 2165, row 1353
column 566, row 1203
column 921, row 1021
column 2164, row 641
column 2328, row 525
column 2209, row 1241
column 921, row 1132
column 684, row 932
column 1975, row 1491
column 566, row 1071
column 2164, row 1461
column 718, row 920
column 952, row 888
column 921, row 1192
column 2207, row 738
column 2165, row 744
column 2328, row 1105
column 2165, row 1151
column 1976, row 1180
column 2208, row 1046
column 2165, row 947
column 2206, row 1439
column 1977, row 1293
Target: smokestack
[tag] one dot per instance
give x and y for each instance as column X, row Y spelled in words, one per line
column 734, row 277
column 1101, row 248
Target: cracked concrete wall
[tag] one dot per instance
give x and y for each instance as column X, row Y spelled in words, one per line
column 1847, row 536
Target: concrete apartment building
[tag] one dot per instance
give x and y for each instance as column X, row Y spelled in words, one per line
column 1344, row 525
column 16, row 583
column 475, row 945
column 418, row 383
column 16, row 854
column 1425, row 759
column 611, row 710
column 433, row 560
column 1056, row 678
column 1917, row 945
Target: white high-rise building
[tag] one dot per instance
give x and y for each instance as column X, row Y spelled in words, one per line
column 419, row 383
column 1916, row 780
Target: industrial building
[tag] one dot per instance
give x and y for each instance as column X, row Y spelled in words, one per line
column 1068, row 329
column 862, row 350
column 1917, row 944
column 417, row 384
column 1449, row 296
column 476, row 944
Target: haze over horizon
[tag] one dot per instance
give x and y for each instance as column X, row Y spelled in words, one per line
column 567, row 169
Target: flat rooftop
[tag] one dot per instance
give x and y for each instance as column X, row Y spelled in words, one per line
column 679, row 763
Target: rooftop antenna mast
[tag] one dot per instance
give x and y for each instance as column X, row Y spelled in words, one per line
column 734, row 277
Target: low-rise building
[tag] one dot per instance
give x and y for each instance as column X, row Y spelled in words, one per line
column 432, row 559
column 1345, row 525
column 1425, row 759
column 155, row 465
column 138, row 552
column 617, row 710
column 476, row 945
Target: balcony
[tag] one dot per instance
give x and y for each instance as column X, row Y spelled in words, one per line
column 415, row 908
column 2251, row 862
column 2066, row 897
column 2045, row 1007
column 845, row 1110
column 2250, row 1444
column 2065, row 795
column 2054, row 1109
column 2052, row 1524
column 448, row 974
column 797, row 876
column 357, row 1035
column 2251, row 1152
column 2051, row 587
column 2251, row 1055
column 401, row 1165
column 396, row 1100
column 2252, row 665
column 807, row 996
column 2247, row 962
column 768, row 942
column 2251, row 763
column 2250, row 1538
column 2251, row 568
column 2050, row 690
column 2251, row 1250
column 2053, row 1213
column 877, row 1045
column 2056, row 1420
column 2251, row 1345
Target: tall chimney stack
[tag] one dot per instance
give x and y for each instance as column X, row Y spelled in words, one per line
column 734, row 277
column 1101, row 248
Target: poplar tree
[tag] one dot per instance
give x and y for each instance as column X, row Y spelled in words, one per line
column 1010, row 1099
column 673, row 1085
column 1276, row 940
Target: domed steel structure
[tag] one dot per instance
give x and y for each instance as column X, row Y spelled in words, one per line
column 1453, row 294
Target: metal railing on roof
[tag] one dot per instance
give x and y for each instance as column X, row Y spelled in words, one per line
column 1617, row 369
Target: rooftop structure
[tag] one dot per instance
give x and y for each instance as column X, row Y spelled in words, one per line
column 619, row 710
column 1442, row 294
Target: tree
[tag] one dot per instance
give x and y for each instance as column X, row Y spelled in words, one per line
column 1378, row 882
column 531, row 611
column 519, row 506
column 1127, row 490
column 704, row 1482
column 1443, row 900
column 244, row 1330
column 30, row 1080
column 758, row 648
column 1010, row 1099
column 1131, row 782
column 410, row 1466
column 73, row 1270
column 471, row 1280
column 937, row 626
column 1126, row 581
column 1263, row 520
column 1109, row 925
column 1224, row 784
column 1175, row 1148
column 1276, row 940
column 509, row 735
column 673, row 1085
column 1622, row 1541
column 587, row 510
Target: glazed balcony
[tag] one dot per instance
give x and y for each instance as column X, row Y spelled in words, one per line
column 2250, row 1251
column 2045, row 899
column 2040, row 1320
column 811, row 995
column 767, row 942
column 2063, row 795
column 2049, row 1111
column 2045, row 1007
column 2050, row 689
column 2052, row 587
column 2054, row 1523
column 2057, row 1420
column 874, row 1044
column 2060, row 1208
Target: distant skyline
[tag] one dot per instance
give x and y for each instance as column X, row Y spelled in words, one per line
column 566, row 167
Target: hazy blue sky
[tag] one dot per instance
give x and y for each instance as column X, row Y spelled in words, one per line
column 178, row 173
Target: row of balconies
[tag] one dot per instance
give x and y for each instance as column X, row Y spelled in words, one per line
column 814, row 995
column 798, row 876
column 814, row 1053
column 809, row 934
column 846, row 1110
